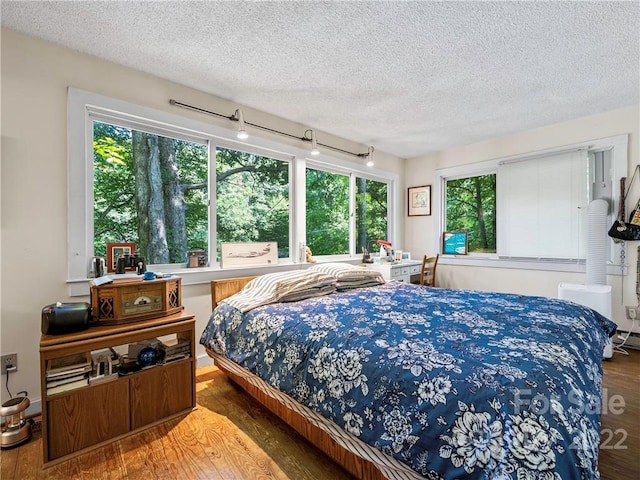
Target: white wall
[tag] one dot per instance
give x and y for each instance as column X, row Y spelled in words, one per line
column 35, row 78
column 418, row 230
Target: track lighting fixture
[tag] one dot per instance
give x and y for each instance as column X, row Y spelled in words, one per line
column 242, row 133
column 314, row 142
column 309, row 135
column 370, row 157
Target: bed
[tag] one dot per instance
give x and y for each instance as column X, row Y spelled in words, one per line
column 400, row 381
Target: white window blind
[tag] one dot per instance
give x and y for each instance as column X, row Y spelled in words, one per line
column 542, row 206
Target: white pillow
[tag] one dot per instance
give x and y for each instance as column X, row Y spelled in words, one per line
column 350, row 276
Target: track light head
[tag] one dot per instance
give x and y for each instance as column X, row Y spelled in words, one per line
column 314, row 144
column 310, row 135
column 242, row 133
column 370, row 158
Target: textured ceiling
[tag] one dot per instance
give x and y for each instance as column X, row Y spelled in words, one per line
column 406, row 77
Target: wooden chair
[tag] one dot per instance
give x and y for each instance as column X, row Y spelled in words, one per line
column 428, row 270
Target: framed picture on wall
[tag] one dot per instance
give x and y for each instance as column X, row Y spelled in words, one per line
column 115, row 251
column 454, row 243
column 419, row 200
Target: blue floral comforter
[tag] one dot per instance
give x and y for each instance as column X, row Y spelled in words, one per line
column 454, row 383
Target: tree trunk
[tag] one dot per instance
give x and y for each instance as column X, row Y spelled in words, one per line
column 482, row 229
column 174, row 206
column 149, row 198
column 361, row 223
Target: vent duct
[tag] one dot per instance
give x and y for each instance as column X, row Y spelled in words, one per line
column 597, row 243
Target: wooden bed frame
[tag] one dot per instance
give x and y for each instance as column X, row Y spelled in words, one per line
column 359, row 467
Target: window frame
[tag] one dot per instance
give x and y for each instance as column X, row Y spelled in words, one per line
column 261, row 152
column 617, row 144
column 324, row 167
column 353, row 175
column 84, row 107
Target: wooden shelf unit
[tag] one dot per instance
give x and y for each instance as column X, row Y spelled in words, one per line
column 87, row 417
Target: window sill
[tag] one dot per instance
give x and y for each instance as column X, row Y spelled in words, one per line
column 521, row 264
column 197, row 276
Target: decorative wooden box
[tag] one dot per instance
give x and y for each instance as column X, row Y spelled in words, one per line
column 124, row 301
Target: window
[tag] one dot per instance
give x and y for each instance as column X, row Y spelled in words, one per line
column 543, row 206
column 327, row 212
column 532, row 208
column 328, row 218
column 151, row 190
column 371, row 213
column 252, row 199
column 471, row 207
column 207, row 188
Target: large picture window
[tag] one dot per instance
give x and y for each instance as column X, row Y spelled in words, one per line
column 169, row 184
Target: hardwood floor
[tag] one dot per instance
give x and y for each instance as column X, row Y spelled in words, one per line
column 620, row 441
column 231, row 437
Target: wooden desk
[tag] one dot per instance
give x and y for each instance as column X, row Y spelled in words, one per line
column 401, row 272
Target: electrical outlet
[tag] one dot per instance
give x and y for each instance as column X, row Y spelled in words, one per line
column 9, row 360
column 632, row 312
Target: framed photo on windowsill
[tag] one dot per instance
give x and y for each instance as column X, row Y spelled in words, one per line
column 115, row 251
column 248, row 253
column 419, row 200
column 454, row 243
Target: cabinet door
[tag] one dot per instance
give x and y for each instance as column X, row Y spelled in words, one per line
column 87, row 416
column 161, row 391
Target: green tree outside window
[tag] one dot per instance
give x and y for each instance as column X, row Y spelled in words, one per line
column 471, row 207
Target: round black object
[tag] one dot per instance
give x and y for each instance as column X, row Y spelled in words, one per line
column 147, row 357
column 59, row 318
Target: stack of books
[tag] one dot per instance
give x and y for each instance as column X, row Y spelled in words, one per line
column 68, row 373
column 172, row 350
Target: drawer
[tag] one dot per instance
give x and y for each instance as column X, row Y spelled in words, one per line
column 396, row 273
column 414, row 269
column 399, row 272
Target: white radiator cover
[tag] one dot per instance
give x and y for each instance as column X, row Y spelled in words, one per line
column 597, row 297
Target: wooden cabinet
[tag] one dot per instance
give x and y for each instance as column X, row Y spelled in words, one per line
column 166, row 386
column 95, row 414
column 85, row 417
